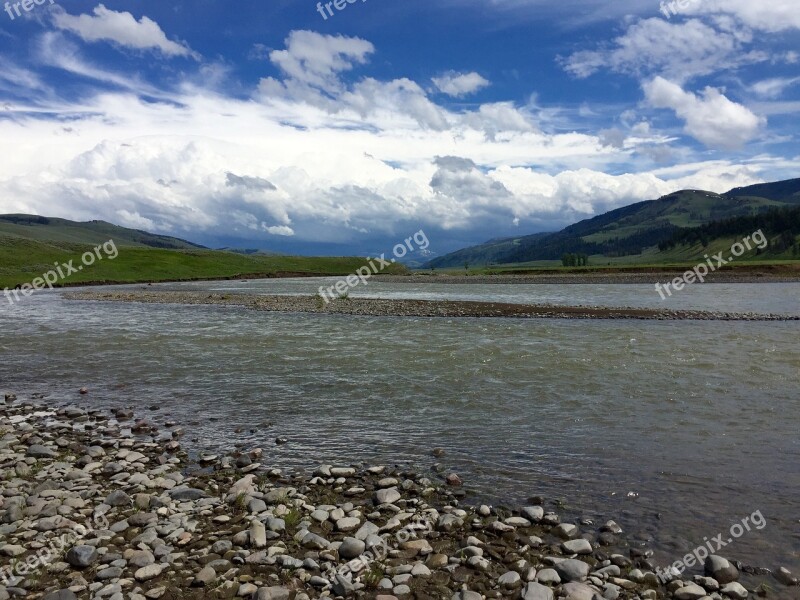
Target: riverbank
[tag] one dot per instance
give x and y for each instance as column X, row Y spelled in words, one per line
column 413, row 308
column 102, row 505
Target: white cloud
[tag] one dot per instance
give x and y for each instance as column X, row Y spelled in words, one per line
column 773, row 88
column 712, row 118
column 772, row 17
column 282, row 230
column 678, row 51
column 460, row 84
column 123, row 29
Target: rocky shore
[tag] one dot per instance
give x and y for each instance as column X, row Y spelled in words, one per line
column 103, row 505
column 414, row 308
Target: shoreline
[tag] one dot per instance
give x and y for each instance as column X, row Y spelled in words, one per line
column 158, row 523
column 414, row 308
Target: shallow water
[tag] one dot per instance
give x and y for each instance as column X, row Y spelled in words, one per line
column 675, row 429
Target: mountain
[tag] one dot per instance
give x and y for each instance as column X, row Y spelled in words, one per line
column 629, row 230
column 48, row 229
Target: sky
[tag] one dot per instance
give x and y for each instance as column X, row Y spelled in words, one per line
column 345, row 127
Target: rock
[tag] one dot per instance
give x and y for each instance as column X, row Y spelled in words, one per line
column 548, row 576
column 39, row 451
column 785, row 576
column 437, row 561
column 387, row 496
column 148, row 572
column 183, row 494
column 271, row 593
column 566, row 531
column 205, row 577
column 348, row 524
column 417, row 547
column 735, row 590
column 141, row 558
column 258, row 535
column 420, row 570
column 690, row 592
column 351, row 548
column 579, row 546
column 454, row 480
column 579, row 591
column 467, row 595
column 509, row 580
column 343, row 586
column 720, row 569
column 118, row 498
column 448, row 522
column 536, row 591
column 82, row 556
column 109, row 573
column 572, row 570
column 533, row 513
column 60, row 595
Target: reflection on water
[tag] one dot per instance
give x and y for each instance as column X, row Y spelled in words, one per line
column 675, row 429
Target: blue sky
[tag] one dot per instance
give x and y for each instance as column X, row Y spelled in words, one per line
column 264, row 125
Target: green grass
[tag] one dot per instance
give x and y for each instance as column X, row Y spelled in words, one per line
column 22, row 260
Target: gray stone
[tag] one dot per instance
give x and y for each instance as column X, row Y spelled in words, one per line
column 548, row 576
column 343, row 586
column 118, row 498
column 109, row 573
column 536, row 591
column 351, row 548
column 735, row 590
column 572, row 570
column 467, row 595
column 81, row 557
column 509, row 580
column 579, row 591
column 348, row 524
column 60, row 595
column 720, row 569
column 141, row 558
column 39, row 451
column 258, row 535
column 690, row 592
column 148, row 572
column 533, row 513
column 579, row 546
column 186, row 494
column 387, row 496
column 205, row 577
column 272, row 593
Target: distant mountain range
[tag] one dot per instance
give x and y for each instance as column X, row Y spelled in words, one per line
column 632, row 229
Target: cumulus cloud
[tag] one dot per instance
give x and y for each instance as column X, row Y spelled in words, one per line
column 772, row 17
column 678, row 51
column 460, row 84
column 123, row 29
column 710, row 118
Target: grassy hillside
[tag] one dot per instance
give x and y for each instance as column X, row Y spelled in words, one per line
column 629, row 231
column 23, row 259
column 47, row 229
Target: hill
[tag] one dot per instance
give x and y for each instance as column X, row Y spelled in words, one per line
column 48, row 229
column 31, row 246
column 631, row 230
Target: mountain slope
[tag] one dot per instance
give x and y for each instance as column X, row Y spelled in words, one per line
column 631, row 229
column 47, row 229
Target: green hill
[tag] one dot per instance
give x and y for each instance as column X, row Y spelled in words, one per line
column 631, row 231
column 30, row 246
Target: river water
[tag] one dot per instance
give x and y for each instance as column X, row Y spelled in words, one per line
column 675, row 429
